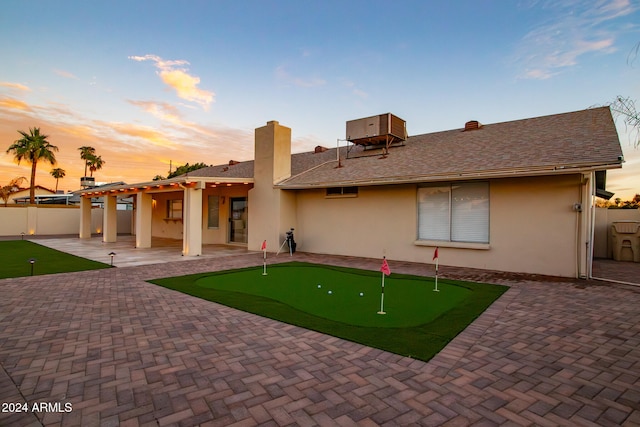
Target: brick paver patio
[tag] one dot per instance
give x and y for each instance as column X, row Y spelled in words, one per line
column 125, row 352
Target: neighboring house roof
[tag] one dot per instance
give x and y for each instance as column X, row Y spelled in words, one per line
column 557, row 143
column 40, row 187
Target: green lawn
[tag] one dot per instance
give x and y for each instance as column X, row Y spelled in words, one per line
column 16, row 254
column 418, row 322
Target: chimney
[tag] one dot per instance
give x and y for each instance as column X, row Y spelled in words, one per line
column 472, row 125
column 320, row 149
column 272, row 153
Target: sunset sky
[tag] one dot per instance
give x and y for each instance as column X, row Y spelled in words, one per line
column 152, row 82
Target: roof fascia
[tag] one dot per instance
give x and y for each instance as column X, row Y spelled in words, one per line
column 506, row 173
column 163, row 186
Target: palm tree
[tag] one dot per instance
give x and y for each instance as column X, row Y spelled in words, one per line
column 95, row 163
column 32, row 148
column 86, row 153
column 12, row 187
column 58, row 173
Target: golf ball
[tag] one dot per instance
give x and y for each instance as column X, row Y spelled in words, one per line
column 361, row 294
column 319, row 286
column 329, row 292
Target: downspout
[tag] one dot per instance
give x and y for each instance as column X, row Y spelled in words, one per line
column 584, row 226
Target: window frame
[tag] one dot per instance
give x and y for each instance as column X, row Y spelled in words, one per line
column 340, row 192
column 172, row 209
column 451, row 216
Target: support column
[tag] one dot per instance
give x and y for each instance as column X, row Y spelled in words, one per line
column 110, row 219
column 85, row 217
column 192, row 221
column 144, row 208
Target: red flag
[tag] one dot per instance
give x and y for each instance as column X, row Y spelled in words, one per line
column 385, row 267
column 264, row 246
column 435, row 254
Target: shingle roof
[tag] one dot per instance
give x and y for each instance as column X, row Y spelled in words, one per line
column 300, row 162
column 555, row 143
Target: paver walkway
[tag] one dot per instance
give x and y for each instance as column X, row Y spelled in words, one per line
column 125, row 352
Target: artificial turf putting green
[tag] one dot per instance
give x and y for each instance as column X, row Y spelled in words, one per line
column 418, row 322
column 16, row 255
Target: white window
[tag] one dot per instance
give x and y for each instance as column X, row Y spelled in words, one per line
column 456, row 212
column 174, row 209
column 214, row 212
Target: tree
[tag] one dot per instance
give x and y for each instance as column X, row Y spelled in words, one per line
column 86, row 153
column 625, row 108
column 32, row 148
column 181, row 170
column 12, row 187
column 58, row 173
column 95, row 163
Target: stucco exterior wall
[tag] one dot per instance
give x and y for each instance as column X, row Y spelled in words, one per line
column 48, row 220
column 13, row 221
column 532, row 226
column 173, row 229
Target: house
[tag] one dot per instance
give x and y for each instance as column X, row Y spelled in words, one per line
column 514, row 196
column 22, row 195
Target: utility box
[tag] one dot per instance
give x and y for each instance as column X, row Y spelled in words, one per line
column 625, row 236
column 383, row 128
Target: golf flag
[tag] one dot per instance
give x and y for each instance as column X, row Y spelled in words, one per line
column 435, row 253
column 264, row 246
column 385, row 267
column 385, row 272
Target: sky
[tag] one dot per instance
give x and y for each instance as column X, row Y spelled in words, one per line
column 157, row 84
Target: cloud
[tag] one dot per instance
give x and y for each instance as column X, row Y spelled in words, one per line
column 282, row 74
column 145, row 133
column 576, row 29
column 17, row 86
column 161, row 110
column 175, row 75
column 13, row 104
column 65, row 74
column 355, row 90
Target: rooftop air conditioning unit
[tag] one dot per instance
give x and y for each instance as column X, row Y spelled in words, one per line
column 374, row 130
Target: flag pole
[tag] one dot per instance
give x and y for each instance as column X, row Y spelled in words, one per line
column 382, row 297
column 385, row 271
column 435, row 255
column 264, row 258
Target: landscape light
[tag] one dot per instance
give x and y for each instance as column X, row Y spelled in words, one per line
column 32, row 261
column 112, row 254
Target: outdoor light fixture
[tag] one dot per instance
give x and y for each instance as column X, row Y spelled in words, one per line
column 22, row 236
column 32, row 261
column 112, row 254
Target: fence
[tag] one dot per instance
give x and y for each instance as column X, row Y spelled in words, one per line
column 46, row 220
column 602, row 245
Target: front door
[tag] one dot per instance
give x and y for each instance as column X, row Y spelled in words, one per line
column 238, row 220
